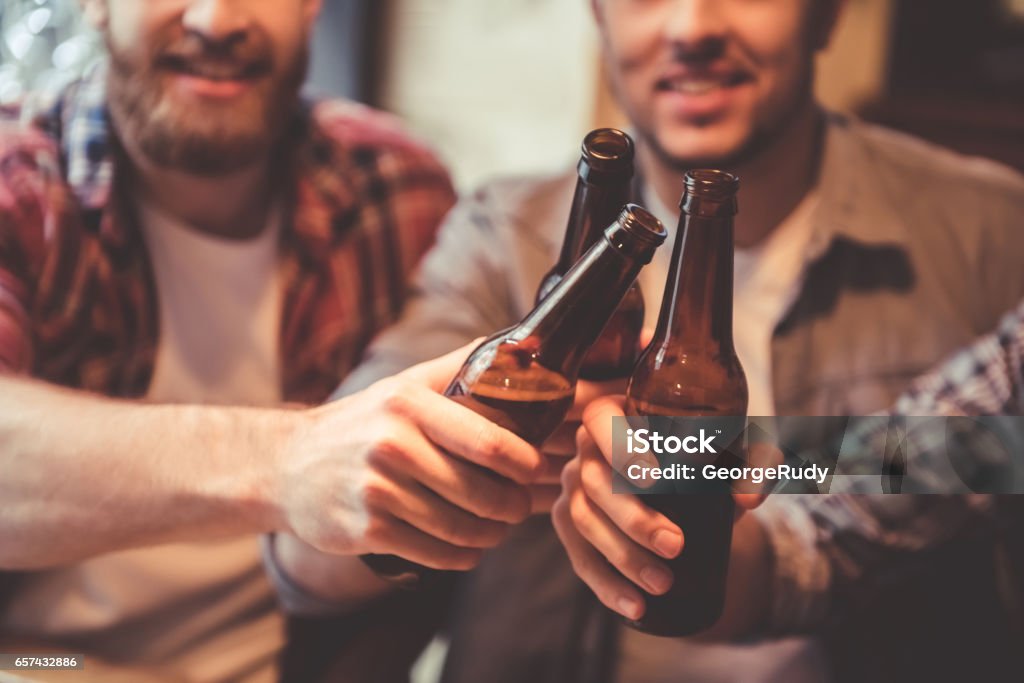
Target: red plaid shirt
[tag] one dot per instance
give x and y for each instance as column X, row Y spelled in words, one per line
column 77, row 299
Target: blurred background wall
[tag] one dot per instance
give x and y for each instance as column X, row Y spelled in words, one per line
column 507, row 86
column 510, row 86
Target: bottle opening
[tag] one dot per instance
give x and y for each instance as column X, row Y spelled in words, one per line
column 608, row 147
column 642, row 224
column 710, row 182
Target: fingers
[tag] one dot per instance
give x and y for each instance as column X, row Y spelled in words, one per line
column 614, row 591
column 636, row 521
column 598, row 422
column 395, row 537
column 404, row 499
column 406, row 453
column 463, row 433
column 632, row 560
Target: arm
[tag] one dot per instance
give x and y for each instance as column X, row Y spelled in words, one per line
column 83, row 475
column 394, row 469
column 832, row 550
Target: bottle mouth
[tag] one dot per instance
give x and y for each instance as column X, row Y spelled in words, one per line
column 642, row 224
column 711, row 182
column 608, row 149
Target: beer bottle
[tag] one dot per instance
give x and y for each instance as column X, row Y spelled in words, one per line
column 690, row 368
column 524, row 378
column 605, row 171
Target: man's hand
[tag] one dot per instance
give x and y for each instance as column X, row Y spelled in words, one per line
column 401, row 469
column 615, row 541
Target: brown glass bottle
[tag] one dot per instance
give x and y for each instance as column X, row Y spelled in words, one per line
column 605, row 172
column 524, row 378
column 691, row 369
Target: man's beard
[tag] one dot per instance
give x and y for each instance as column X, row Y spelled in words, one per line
column 209, row 139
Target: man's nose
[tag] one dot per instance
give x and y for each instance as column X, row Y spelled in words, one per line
column 220, row 21
column 694, row 26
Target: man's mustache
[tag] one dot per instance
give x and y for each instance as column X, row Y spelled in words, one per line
column 233, row 58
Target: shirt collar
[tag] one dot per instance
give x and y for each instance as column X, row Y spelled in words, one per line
column 855, row 203
column 81, row 117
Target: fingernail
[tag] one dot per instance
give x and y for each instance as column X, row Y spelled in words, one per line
column 629, row 607
column 667, row 543
column 656, row 579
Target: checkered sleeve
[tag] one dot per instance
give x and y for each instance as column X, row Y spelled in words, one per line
column 24, row 158
column 831, row 551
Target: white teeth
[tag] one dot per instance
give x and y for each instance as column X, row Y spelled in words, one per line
column 213, row 73
column 695, row 87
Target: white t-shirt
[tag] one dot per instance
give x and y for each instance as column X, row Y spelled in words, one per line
column 200, row 611
column 767, row 279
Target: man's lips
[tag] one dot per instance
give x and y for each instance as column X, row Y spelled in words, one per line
column 212, row 78
column 700, row 92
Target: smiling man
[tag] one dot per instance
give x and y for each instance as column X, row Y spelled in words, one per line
column 863, row 257
column 180, row 229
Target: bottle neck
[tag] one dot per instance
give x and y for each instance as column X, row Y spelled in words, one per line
column 697, row 307
column 570, row 319
column 596, row 204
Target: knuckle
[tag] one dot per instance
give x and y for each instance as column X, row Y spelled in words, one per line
column 488, row 443
column 377, row 533
column 397, row 397
column 388, row 451
column 591, row 476
column 570, row 474
column 581, row 565
column 560, row 512
column 377, row 495
column 624, row 560
column 579, row 512
column 634, row 521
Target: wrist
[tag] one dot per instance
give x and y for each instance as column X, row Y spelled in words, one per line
column 278, row 436
column 253, row 446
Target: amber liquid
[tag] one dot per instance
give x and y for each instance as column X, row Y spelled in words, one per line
column 530, row 414
column 704, row 511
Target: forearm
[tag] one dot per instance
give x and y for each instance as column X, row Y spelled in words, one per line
column 84, row 475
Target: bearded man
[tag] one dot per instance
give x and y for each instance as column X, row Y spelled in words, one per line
column 180, row 229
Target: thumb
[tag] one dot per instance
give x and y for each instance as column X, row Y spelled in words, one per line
column 437, row 374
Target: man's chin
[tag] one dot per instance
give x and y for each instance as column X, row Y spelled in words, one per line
column 703, row 149
column 205, row 153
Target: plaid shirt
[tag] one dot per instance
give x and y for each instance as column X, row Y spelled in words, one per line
column 830, row 549
column 77, row 300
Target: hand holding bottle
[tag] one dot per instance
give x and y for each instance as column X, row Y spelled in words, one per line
column 617, row 543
